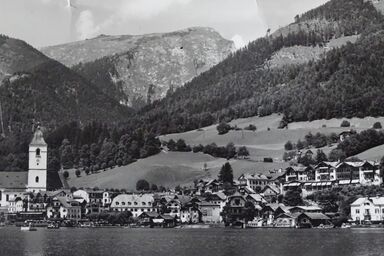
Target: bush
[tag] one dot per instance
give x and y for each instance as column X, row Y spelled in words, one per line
column 87, row 171
column 78, row 173
column 251, row 127
column 377, row 125
column 345, row 123
column 142, row 185
column 223, row 128
column 288, row 146
column 66, row 174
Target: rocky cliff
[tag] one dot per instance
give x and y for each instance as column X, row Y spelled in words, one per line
column 136, row 70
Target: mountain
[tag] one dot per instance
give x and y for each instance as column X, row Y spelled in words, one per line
column 37, row 88
column 344, row 80
column 136, row 70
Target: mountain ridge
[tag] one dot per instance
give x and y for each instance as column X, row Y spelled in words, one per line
column 138, row 69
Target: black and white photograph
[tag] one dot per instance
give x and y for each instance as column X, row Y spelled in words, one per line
column 191, row 127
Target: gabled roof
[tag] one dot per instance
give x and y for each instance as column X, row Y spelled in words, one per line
column 257, row 198
column 221, row 195
column 373, row 200
column 307, row 208
column 271, row 187
column 150, row 214
column 329, row 164
column 13, row 180
column 315, row 216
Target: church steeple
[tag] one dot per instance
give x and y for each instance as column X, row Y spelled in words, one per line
column 37, row 173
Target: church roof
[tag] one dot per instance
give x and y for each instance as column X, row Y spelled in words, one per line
column 13, row 180
column 38, row 138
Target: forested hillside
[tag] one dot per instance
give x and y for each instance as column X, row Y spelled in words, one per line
column 346, row 82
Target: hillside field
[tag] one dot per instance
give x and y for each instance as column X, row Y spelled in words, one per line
column 181, row 168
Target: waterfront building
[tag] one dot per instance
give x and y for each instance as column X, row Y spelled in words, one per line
column 190, row 214
column 286, row 220
column 64, row 208
column 368, row 209
column 311, row 219
column 136, row 204
column 210, row 212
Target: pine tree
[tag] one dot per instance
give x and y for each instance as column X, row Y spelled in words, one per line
column 226, row 173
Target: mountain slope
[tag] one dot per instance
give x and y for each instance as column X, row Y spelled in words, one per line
column 344, row 82
column 136, row 70
column 36, row 88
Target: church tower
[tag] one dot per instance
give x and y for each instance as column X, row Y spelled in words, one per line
column 37, row 173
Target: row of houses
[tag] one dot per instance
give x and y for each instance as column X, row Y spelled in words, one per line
column 310, row 179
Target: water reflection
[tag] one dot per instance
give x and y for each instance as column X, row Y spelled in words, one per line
column 226, row 242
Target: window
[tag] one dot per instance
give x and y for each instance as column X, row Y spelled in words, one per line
column 129, row 203
column 135, row 203
column 143, row 203
column 38, row 152
column 357, row 211
column 122, row 203
column 377, row 210
column 37, row 179
column 117, row 203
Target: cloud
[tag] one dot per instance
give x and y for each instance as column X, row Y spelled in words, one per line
column 239, row 41
column 85, row 25
column 145, row 9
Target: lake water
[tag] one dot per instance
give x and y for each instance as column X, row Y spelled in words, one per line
column 192, row 242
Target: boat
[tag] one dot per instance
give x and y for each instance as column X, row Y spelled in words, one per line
column 53, row 226
column 28, row 228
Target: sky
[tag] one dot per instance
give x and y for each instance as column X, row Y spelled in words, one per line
column 52, row 22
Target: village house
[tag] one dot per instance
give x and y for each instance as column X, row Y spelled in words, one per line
column 368, row 209
column 136, row 204
column 256, row 181
column 210, row 212
column 207, row 186
column 64, row 208
column 234, row 209
column 271, row 192
column 190, row 214
column 218, row 198
column 286, row 220
column 299, row 173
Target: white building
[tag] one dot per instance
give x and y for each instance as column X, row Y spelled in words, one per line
column 368, row 209
column 64, row 208
column 136, row 204
column 14, row 185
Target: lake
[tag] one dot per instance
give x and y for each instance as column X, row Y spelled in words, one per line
column 194, row 242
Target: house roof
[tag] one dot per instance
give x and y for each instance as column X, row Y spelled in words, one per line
column 183, row 198
column 167, row 217
column 272, row 187
column 315, row 215
column 150, row 214
column 257, row 198
column 308, row 208
column 221, row 195
column 13, row 180
column 145, row 198
column 374, row 200
column 66, row 202
column 255, row 176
